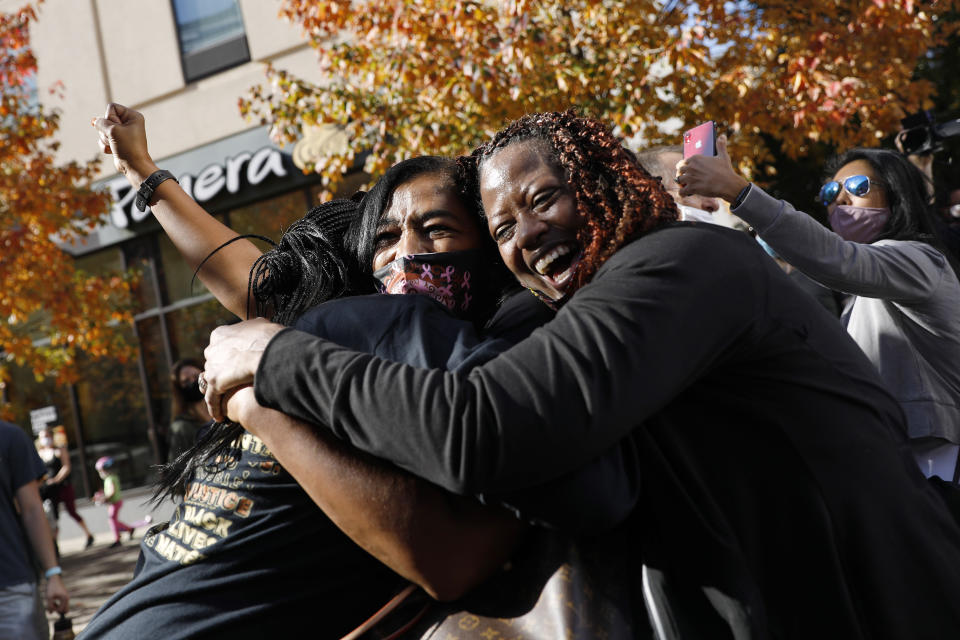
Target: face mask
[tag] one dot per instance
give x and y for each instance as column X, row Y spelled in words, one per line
column 955, row 211
column 858, row 224
column 46, row 442
column 192, row 393
column 455, row 279
column 692, row 214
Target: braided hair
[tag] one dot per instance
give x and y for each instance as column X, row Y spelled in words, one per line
column 617, row 197
column 308, row 266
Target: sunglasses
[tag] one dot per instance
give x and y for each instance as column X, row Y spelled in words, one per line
column 855, row 185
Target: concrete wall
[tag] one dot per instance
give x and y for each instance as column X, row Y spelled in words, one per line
column 127, row 51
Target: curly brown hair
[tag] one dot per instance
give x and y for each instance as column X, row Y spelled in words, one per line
column 615, row 195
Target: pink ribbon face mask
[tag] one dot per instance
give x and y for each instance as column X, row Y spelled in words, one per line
column 858, row 224
column 449, row 278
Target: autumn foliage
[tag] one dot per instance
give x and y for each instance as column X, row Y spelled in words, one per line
column 49, row 310
column 408, row 77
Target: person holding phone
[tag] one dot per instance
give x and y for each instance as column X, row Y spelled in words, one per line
column 882, row 249
column 661, row 162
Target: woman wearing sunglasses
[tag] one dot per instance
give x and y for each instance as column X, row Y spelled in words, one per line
column 905, row 310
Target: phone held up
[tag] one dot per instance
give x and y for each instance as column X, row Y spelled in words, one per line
column 701, row 140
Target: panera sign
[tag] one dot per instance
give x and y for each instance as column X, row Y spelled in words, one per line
column 235, row 173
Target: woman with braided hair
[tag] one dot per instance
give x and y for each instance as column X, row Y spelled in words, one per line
column 779, row 497
column 206, row 558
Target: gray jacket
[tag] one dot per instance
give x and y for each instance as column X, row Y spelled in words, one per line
column 906, row 313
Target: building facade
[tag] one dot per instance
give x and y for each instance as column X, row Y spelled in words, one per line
column 184, row 64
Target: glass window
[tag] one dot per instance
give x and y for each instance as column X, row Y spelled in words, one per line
column 270, row 217
column 351, row 183
column 211, row 34
column 25, row 392
column 145, row 295
column 190, row 328
column 177, row 274
column 153, row 352
column 113, row 415
column 101, row 263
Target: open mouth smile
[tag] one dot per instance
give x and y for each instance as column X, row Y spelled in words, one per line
column 558, row 264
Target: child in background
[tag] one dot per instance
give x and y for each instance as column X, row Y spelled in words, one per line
column 111, row 496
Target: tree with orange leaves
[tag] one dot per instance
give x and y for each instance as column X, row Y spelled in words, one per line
column 49, row 310
column 409, row 77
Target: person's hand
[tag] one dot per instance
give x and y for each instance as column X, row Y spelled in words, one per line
column 57, row 597
column 232, row 358
column 122, row 133
column 238, row 403
column 710, row 176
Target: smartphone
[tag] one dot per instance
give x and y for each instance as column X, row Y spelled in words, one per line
column 701, row 140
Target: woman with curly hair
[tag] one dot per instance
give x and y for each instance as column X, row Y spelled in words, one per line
column 779, row 497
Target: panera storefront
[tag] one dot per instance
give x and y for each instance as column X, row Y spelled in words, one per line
column 122, row 409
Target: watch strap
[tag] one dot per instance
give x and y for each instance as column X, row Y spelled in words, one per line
column 148, row 186
column 741, row 196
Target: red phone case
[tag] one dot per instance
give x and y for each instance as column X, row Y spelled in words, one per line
column 701, row 140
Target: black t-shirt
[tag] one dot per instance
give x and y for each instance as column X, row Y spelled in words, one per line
column 53, row 464
column 19, row 466
column 248, row 553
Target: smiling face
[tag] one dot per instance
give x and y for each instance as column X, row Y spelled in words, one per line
column 425, row 215
column 875, row 198
column 532, row 216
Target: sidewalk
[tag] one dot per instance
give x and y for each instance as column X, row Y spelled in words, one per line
column 93, row 575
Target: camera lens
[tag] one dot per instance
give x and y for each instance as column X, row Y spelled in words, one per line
column 914, row 140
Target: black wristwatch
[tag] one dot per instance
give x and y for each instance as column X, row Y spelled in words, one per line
column 741, row 196
column 148, row 186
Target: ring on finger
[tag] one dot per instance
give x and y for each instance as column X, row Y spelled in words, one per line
column 202, row 382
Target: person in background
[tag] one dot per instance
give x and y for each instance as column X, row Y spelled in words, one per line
column 883, row 250
column 21, row 521
column 661, row 162
column 186, row 406
column 57, row 485
column 111, row 496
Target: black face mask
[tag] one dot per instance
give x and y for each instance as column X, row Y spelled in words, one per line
column 191, row 392
column 459, row 280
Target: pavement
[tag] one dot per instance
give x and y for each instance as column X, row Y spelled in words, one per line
column 93, row 575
